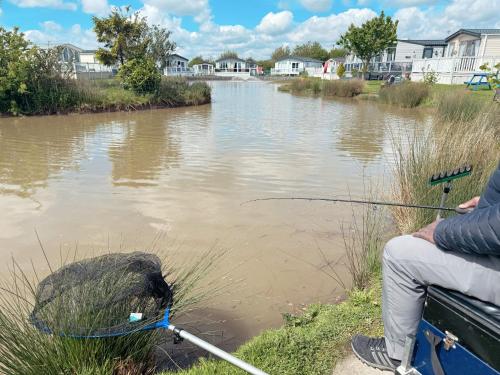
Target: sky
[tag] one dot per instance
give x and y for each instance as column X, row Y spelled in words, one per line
column 253, row 28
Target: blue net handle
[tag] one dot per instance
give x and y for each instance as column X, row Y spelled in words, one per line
column 164, row 323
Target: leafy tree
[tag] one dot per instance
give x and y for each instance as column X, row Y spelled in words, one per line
column 228, row 55
column 338, row 52
column 280, row 52
column 140, row 75
column 196, row 60
column 371, row 38
column 266, row 64
column 312, row 50
column 159, row 47
column 122, row 34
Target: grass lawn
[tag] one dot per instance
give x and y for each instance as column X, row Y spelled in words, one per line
column 311, row 343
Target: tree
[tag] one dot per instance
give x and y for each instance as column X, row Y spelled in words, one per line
column 267, row 65
column 228, row 55
column 159, row 47
column 338, row 52
column 196, row 60
column 280, row 52
column 312, row 50
column 371, row 38
column 122, row 34
column 140, row 75
column 341, row 70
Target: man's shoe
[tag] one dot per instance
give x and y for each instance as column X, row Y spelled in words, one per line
column 373, row 352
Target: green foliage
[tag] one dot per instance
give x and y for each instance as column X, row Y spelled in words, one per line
column 140, row 76
column 312, row 50
column 266, row 64
column 311, row 342
column 228, row 55
column 338, row 52
column 159, row 46
column 343, row 88
column 493, row 74
column 122, row 34
column 196, row 60
column 431, row 77
column 33, row 81
column 341, row 70
column 406, row 94
column 280, row 52
column 371, row 38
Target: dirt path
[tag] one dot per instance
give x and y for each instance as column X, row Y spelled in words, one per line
column 352, row 366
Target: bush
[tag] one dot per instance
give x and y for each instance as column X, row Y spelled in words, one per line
column 406, row 94
column 178, row 91
column 341, row 70
column 140, row 75
column 197, row 93
column 458, row 106
column 343, row 88
column 431, row 77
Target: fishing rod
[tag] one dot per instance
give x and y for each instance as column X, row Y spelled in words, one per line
column 445, row 178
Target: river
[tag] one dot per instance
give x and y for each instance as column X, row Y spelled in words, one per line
column 175, row 180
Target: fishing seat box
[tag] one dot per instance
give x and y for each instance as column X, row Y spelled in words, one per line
column 457, row 335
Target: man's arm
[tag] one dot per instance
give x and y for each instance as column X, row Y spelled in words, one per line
column 475, row 233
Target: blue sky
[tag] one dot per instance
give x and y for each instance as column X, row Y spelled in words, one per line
column 251, row 27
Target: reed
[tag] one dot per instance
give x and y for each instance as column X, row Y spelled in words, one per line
column 405, row 95
column 343, row 88
column 444, row 146
column 458, row 106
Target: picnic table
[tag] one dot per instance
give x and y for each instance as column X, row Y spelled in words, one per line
column 481, row 81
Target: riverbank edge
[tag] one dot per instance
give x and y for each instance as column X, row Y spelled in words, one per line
column 113, row 108
column 312, row 342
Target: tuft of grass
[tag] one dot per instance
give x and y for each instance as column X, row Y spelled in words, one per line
column 458, row 105
column 308, row 343
column 405, row 95
column 445, row 146
column 343, row 88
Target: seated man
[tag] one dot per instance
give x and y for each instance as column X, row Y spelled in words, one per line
column 461, row 253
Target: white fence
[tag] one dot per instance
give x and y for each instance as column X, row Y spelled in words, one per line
column 93, row 71
column 285, row 72
column 178, row 71
column 451, row 70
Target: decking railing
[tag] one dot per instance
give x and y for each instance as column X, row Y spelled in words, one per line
column 453, row 64
column 286, row 71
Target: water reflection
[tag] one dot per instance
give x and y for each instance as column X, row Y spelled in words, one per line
column 120, row 177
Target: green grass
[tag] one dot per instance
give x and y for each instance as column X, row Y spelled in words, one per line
column 310, row 343
column 317, row 86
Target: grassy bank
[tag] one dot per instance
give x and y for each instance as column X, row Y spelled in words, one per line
column 406, row 95
column 62, row 96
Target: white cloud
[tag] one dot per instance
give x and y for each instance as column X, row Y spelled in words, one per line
column 180, row 8
column 478, row 12
column 327, row 30
column 57, row 4
column 407, row 3
column 317, row 5
column 275, row 23
column 51, row 26
column 98, row 7
column 55, row 34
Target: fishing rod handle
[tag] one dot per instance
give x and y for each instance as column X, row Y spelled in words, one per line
column 463, row 211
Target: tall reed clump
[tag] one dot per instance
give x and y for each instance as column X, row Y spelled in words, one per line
column 364, row 238
column 457, row 105
column 342, row 88
column 25, row 350
column 405, row 95
column 444, row 146
column 178, row 92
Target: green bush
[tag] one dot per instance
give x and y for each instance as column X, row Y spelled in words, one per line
column 431, row 77
column 140, row 75
column 341, row 70
column 406, row 94
column 343, row 88
column 197, row 93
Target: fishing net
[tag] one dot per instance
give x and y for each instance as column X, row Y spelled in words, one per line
column 111, row 295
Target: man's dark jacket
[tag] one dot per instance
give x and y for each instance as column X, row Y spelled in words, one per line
column 477, row 232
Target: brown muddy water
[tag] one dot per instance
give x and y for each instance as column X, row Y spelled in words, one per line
column 177, row 178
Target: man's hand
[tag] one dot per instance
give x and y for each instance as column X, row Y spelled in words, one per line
column 427, row 233
column 470, row 203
